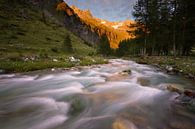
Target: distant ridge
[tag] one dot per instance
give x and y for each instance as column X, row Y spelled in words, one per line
column 91, row 28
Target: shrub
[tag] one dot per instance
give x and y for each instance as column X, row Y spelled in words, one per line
column 54, row 50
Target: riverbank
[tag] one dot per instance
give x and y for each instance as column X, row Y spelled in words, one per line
column 65, row 62
column 29, row 41
column 172, row 65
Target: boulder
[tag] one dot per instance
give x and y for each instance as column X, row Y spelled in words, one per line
column 169, row 68
column 53, row 69
column 33, row 58
column 143, row 81
column 26, row 59
column 93, row 60
column 187, row 98
column 119, row 76
column 191, row 76
column 72, row 59
column 121, row 123
column 55, row 60
column 174, row 88
column 189, row 93
column 128, row 71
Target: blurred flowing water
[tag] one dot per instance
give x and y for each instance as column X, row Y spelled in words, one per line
column 96, row 97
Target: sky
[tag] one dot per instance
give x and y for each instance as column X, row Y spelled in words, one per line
column 111, row 10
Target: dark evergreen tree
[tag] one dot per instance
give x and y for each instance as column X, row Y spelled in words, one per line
column 123, row 49
column 164, row 26
column 67, row 46
column 104, row 46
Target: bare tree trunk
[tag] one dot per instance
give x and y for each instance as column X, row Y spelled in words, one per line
column 183, row 33
column 174, row 37
column 42, row 10
column 174, row 31
column 145, row 42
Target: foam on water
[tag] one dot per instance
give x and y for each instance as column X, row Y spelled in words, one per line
column 135, row 75
column 133, row 94
column 24, row 78
column 56, row 77
column 46, row 77
column 62, row 92
column 73, row 73
column 109, row 86
column 6, row 76
column 44, row 104
column 93, row 73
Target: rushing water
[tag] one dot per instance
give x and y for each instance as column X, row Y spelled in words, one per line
column 99, row 97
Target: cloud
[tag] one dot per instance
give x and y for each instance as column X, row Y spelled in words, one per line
column 113, row 10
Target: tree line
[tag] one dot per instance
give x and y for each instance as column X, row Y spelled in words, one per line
column 163, row 27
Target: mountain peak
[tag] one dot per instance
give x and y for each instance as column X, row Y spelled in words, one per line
column 115, row 31
column 64, row 7
column 83, row 13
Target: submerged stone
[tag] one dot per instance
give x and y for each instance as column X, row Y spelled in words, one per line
column 128, row 71
column 143, row 81
column 189, row 93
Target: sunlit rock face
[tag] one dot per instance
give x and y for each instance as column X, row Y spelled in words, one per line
column 65, row 16
column 84, row 24
column 90, row 28
column 74, row 23
column 111, row 10
column 115, row 31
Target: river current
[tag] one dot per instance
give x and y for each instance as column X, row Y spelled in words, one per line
column 95, row 97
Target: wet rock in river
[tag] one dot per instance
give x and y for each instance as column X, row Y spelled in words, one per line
column 53, row 69
column 189, row 93
column 125, row 72
column 174, row 88
column 143, row 81
column 119, row 76
column 136, row 119
column 187, row 99
column 169, row 68
column 191, row 76
column 123, row 124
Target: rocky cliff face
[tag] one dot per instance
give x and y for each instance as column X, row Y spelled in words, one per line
column 115, row 31
column 64, row 16
column 75, row 24
column 83, row 24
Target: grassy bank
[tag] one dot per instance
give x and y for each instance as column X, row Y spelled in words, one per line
column 26, row 66
column 182, row 65
column 28, row 43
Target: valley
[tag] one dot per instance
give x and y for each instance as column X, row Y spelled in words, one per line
column 70, row 66
column 115, row 31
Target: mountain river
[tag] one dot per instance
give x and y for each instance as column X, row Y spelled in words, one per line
column 95, row 97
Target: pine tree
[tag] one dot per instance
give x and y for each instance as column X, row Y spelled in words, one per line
column 67, row 46
column 123, row 49
column 104, row 46
column 164, row 26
